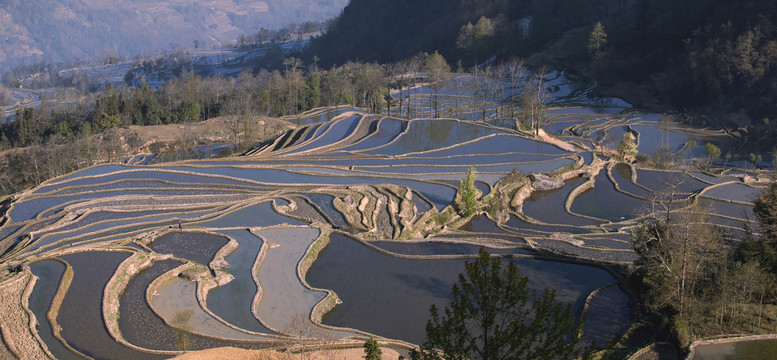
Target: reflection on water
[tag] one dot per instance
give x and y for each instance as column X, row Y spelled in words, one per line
column 391, row 297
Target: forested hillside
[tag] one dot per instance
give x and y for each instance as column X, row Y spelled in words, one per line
column 707, row 54
column 63, row 30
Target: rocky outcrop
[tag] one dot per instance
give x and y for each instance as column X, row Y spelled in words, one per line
column 544, row 182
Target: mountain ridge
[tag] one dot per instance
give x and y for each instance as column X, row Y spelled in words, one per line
column 70, row 30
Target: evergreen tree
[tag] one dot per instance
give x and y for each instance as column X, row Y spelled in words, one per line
column 627, row 146
column 494, row 315
column 372, row 349
column 597, row 40
column 468, row 193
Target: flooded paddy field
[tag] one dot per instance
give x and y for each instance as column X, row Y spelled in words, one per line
column 351, row 223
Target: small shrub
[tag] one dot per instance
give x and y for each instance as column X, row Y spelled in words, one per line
column 372, row 350
column 443, row 218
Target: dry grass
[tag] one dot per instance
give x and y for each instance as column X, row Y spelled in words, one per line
column 15, row 328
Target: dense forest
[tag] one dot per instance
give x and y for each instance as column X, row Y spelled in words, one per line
column 50, row 141
column 708, row 55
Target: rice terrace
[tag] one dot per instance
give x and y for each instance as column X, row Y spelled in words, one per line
column 352, row 224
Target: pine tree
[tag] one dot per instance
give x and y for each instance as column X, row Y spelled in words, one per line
column 494, row 315
column 372, row 349
column 597, row 40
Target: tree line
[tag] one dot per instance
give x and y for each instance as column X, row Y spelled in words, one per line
column 298, row 87
column 695, row 280
column 716, row 56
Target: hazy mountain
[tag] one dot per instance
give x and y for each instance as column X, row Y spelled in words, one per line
column 62, row 30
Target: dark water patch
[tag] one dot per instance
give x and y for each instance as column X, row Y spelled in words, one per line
column 89, row 233
column 425, row 135
column 30, row 209
column 97, row 170
column 499, row 144
column 49, row 273
column 440, row 195
column 421, row 160
column 663, row 181
column 196, row 247
column 338, row 131
column 50, row 206
column 421, row 205
column 548, row 206
column 484, row 188
column 740, row 350
column 140, row 326
column 87, row 223
column 727, row 209
column 393, row 295
column 306, row 211
column 324, row 202
column 296, row 137
column 440, row 247
column 151, row 174
column 232, row 302
column 9, row 230
column 738, row 224
column 603, row 201
column 279, row 144
column 711, row 179
column 328, row 115
column 516, row 222
column 591, row 253
column 608, row 315
column 413, row 170
column 588, row 158
column 736, row 192
column 622, row 175
column 253, row 216
column 81, row 313
column 114, row 186
column 607, row 243
column 388, row 130
column 317, row 131
column 481, row 224
column 651, row 137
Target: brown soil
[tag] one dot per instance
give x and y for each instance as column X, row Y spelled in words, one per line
column 17, row 334
column 230, row 353
column 212, row 130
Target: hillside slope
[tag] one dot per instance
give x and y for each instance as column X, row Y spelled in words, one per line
column 704, row 54
column 62, row 30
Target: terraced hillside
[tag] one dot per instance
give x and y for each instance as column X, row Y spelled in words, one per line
column 351, row 215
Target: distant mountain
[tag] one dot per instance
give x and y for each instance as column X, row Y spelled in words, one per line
column 63, row 30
